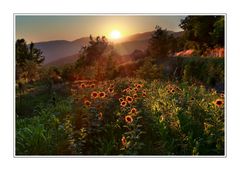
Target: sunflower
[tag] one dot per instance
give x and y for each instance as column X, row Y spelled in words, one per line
column 135, row 89
column 124, row 140
column 133, row 111
column 121, row 99
column 94, row 94
column 87, row 102
column 135, row 96
column 83, row 85
column 173, row 90
column 222, row 95
column 100, row 116
column 128, row 119
column 110, row 90
column 129, row 99
column 102, row 94
column 123, row 103
column 219, row 102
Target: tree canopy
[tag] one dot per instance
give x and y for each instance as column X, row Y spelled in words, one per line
column 28, row 59
column 206, row 31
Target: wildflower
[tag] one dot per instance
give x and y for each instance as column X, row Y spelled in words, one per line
column 100, row 116
column 92, row 85
column 135, row 96
column 192, row 99
column 94, row 94
column 133, row 111
column 129, row 99
column 83, row 85
column 87, row 102
column 144, row 94
column 219, row 102
column 222, row 95
column 124, row 141
column 123, row 103
column 102, row 94
column 139, row 85
column 128, row 119
column 172, row 90
column 135, row 89
column 110, row 90
column 121, row 99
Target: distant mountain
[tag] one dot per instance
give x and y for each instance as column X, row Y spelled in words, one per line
column 57, row 49
column 62, row 61
column 61, row 52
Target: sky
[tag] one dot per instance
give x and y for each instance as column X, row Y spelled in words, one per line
column 45, row 28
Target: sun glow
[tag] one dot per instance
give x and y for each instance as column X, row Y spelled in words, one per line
column 115, row 34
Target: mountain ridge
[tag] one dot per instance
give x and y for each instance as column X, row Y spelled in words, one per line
column 61, row 49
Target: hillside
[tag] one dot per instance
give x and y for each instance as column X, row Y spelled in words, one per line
column 61, row 52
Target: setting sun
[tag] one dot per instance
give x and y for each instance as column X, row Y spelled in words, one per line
column 115, row 34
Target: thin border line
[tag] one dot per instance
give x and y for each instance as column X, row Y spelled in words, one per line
column 120, row 14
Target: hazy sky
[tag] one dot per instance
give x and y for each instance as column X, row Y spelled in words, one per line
column 45, row 28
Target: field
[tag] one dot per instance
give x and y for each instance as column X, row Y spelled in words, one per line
column 158, row 92
column 125, row 116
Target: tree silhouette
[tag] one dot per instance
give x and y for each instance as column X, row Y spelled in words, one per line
column 28, row 59
column 206, row 31
column 161, row 44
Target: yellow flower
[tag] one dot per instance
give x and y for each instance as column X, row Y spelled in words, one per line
column 128, row 119
column 94, row 94
column 129, row 99
column 92, row 85
column 124, row 141
column 133, row 111
column 135, row 96
column 83, row 85
column 110, row 90
column 102, row 94
column 123, row 103
column 219, row 102
column 87, row 102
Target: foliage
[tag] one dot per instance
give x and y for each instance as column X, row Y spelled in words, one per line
column 161, row 44
column 208, row 71
column 98, row 59
column 128, row 117
column 28, row 59
column 43, row 133
column 206, row 31
column 149, row 70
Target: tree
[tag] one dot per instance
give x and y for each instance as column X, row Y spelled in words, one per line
column 94, row 51
column 28, row 60
column 218, row 32
column 205, row 31
column 161, row 44
column 98, row 55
